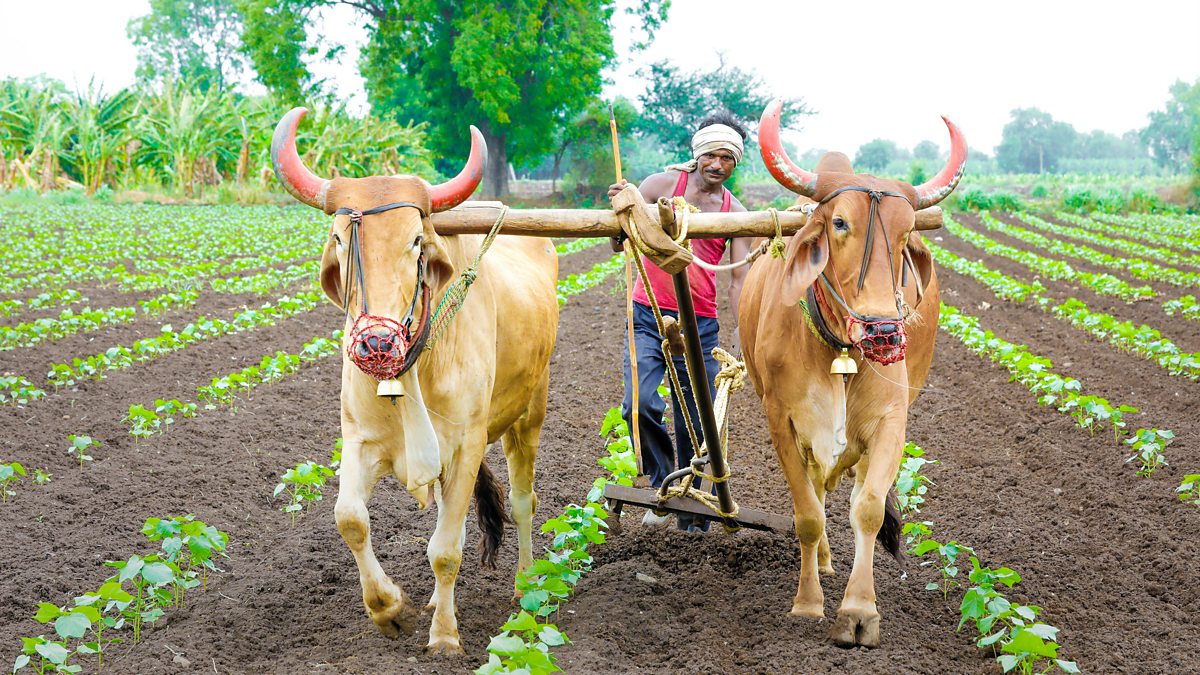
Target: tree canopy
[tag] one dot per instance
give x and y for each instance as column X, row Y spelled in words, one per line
column 1173, row 131
column 1033, row 142
column 518, row 70
column 195, row 41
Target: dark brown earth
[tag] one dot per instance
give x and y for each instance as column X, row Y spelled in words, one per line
column 1107, row 555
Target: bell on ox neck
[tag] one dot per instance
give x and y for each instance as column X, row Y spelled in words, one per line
column 842, row 364
column 392, row 388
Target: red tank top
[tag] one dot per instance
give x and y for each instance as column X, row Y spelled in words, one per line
column 702, row 281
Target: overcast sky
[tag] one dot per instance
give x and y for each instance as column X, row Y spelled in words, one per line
column 870, row 69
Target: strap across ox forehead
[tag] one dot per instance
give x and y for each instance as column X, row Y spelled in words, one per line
column 355, row 266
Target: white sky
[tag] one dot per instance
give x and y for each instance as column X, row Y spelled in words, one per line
column 871, row 69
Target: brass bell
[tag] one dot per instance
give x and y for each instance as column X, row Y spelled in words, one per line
column 391, row 388
column 842, row 364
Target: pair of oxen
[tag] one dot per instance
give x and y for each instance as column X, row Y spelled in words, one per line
column 857, row 275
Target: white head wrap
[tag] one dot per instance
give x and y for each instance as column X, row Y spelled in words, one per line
column 710, row 138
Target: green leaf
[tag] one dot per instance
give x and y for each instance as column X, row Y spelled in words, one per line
column 534, row 599
column 158, row 573
column 506, row 645
column 1026, row 641
column 47, row 612
column 551, row 636
column 523, row 621
column 23, row 661
column 53, row 652
column 72, row 625
column 1066, row 666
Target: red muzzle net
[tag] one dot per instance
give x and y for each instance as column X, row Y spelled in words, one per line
column 882, row 341
column 378, row 346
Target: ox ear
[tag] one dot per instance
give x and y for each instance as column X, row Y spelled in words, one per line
column 917, row 255
column 331, row 274
column 440, row 268
column 806, row 258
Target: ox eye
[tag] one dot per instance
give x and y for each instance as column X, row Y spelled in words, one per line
column 336, row 238
column 840, row 224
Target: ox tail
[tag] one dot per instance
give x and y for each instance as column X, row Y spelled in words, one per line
column 889, row 533
column 489, row 507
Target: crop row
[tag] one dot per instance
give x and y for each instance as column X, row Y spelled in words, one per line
column 576, row 245
column 1184, row 225
column 578, row 283
column 223, row 390
column 1186, row 306
column 140, row 592
column 70, row 322
column 1130, row 228
column 1064, row 393
column 46, row 300
column 1104, row 284
column 1137, row 267
column 1141, row 340
column 1018, row 640
column 527, row 637
column 97, row 366
column 55, row 237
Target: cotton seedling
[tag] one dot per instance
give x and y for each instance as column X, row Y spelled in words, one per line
column 303, row 484
column 142, row 422
column 947, row 562
column 523, row 646
column 41, row 477
column 111, row 601
column 1189, row 489
column 1148, row 446
column 52, row 656
column 915, row 532
column 79, row 447
column 9, row 475
column 911, row 486
column 153, row 581
column 182, row 534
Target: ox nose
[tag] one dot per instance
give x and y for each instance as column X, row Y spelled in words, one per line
column 377, row 342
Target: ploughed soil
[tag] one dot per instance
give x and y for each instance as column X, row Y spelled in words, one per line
column 1110, row 557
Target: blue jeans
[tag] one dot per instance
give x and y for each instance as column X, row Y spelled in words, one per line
column 659, row 456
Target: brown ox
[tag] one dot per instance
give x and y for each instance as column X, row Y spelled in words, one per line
column 482, row 381
column 859, row 244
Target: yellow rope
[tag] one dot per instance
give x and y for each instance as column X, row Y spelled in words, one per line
column 453, row 300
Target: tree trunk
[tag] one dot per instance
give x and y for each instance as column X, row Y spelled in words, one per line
column 495, row 185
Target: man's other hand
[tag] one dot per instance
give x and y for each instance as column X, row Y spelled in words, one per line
column 616, row 187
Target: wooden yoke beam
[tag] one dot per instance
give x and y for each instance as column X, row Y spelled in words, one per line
column 478, row 218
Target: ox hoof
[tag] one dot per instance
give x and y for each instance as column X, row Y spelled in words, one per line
column 826, row 570
column 444, row 647
column 807, row 611
column 393, row 614
column 855, row 629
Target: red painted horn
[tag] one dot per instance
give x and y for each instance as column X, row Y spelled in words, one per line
column 775, row 157
column 456, row 190
column 303, row 184
column 940, row 186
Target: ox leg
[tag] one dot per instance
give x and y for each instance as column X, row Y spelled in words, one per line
column 809, row 516
column 824, row 556
column 387, row 605
column 858, row 618
column 520, row 451
column 446, row 544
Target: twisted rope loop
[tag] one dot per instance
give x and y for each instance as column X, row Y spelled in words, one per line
column 452, row 301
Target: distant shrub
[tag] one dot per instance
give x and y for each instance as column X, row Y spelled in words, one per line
column 977, row 200
column 1039, row 191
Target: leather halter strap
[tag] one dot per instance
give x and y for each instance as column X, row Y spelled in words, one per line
column 873, row 215
column 356, row 266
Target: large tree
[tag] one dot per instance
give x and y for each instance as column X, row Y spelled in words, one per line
column 876, row 155
column 1172, row 131
column 674, row 101
column 518, row 70
column 1034, row 142
column 195, row 41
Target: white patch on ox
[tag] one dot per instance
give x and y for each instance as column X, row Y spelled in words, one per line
column 422, row 452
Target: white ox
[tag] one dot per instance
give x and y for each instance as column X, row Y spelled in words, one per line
column 485, row 379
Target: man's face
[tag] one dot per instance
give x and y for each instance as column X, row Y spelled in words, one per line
column 716, row 167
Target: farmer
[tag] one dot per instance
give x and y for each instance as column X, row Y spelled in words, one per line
column 716, row 151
